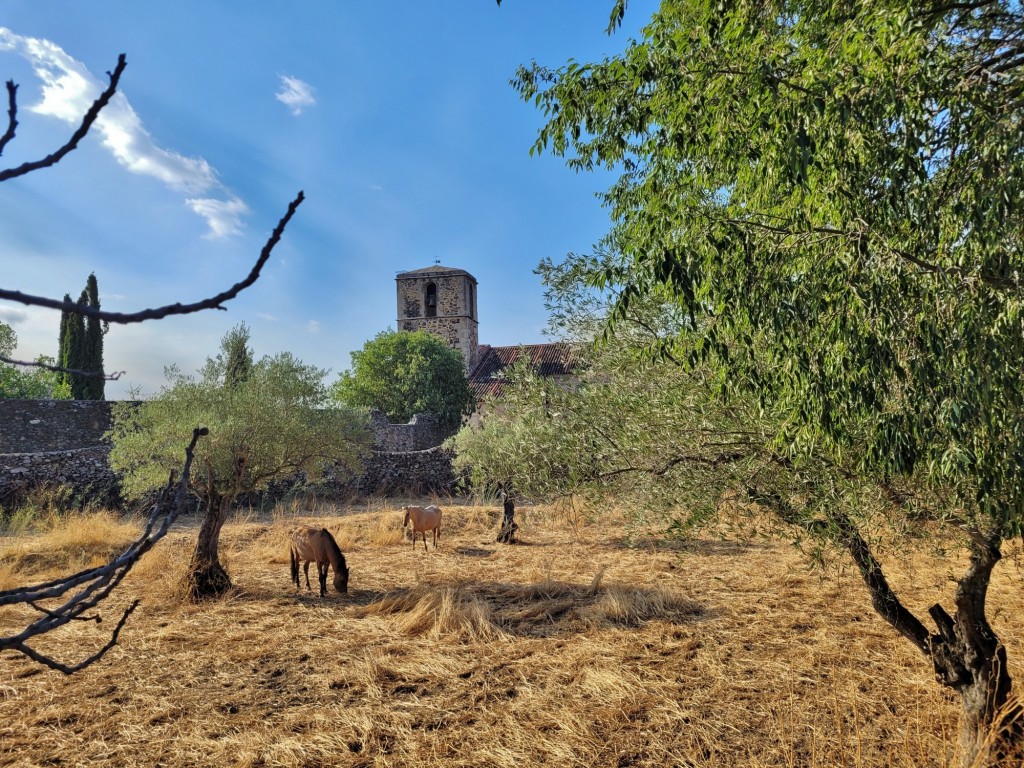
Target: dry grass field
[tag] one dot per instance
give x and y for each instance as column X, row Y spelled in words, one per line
column 581, row 646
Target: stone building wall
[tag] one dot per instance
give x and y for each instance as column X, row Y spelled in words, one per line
column 455, row 318
column 420, row 433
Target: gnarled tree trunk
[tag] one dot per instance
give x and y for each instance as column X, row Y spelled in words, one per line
column 970, row 659
column 206, row 576
column 966, row 653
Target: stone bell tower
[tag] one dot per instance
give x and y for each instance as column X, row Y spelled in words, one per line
column 441, row 300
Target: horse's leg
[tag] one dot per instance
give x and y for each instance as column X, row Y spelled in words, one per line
column 295, row 568
column 305, row 567
column 425, row 541
column 321, row 570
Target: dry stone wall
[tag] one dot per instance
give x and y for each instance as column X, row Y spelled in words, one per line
column 47, row 442
column 85, row 471
column 34, row 426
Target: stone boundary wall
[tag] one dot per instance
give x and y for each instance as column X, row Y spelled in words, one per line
column 87, row 474
column 37, row 426
column 409, row 473
column 84, row 470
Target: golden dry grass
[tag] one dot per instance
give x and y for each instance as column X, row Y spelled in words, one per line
column 571, row 649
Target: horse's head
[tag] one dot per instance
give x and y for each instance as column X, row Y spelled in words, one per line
column 341, row 579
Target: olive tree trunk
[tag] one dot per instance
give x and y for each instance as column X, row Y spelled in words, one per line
column 966, row 653
column 206, row 576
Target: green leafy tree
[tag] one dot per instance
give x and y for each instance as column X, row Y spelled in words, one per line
column 274, row 424
column 405, row 373
column 832, row 193
column 19, row 382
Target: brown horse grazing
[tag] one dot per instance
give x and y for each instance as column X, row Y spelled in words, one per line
column 317, row 545
column 424, row 519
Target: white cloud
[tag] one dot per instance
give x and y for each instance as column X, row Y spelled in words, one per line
column 69, row 89
column 224, row 217
column 295, row 94
column 12, row 316
column 313, row 326
column 266, row 316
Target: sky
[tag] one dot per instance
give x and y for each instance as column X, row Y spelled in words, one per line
column 397, row 121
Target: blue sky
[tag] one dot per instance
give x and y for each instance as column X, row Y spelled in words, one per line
column 395, row 119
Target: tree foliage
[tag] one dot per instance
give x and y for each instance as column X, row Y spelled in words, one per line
column 273, row 425
column 236, row 357
column 405, row 373
column 17, row 382
column 95, row 329
column 81, row 345
column 832, row 194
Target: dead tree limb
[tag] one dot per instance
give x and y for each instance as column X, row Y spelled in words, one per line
column 60, row 369
column 214, row 302
column 94, row 585
column 77, row 136
column 12, row 114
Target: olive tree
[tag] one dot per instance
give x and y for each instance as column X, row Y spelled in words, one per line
column 832, row 193
column 272, row 425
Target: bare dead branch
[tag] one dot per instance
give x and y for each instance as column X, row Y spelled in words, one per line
column 214, row 302
column 60, row 369
column 12, row 114
column 77, row 136
column 96, row 584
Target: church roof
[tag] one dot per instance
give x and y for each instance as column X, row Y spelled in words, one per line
column 488, row 376
column 434, row 269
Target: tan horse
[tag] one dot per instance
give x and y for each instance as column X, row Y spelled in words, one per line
column 317, row 545
column 424, row 519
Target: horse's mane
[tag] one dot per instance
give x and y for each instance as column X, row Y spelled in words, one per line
column 332, row 545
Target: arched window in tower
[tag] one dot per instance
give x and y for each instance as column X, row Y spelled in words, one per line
column 431, row 300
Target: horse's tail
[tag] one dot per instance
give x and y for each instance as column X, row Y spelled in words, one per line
column 295, row 564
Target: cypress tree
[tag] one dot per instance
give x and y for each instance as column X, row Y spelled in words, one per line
column 94, row 331
column 62, row 349
column 77, row 352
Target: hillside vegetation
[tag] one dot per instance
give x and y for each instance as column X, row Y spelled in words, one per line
column 585, row 645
